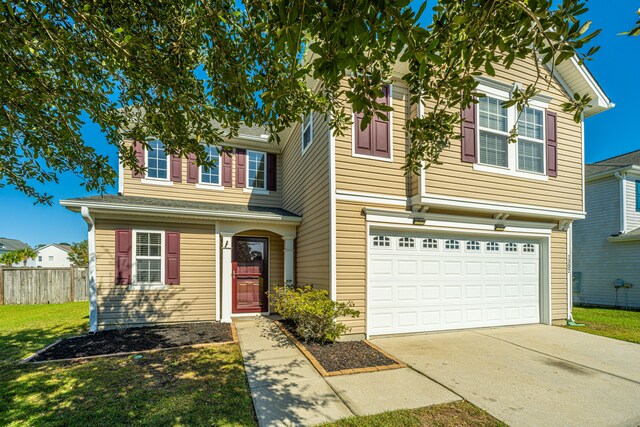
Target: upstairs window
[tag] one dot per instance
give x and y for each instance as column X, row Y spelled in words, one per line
column 157, row 160
column 307, row 132
column 494, row 132
column 256, row 170
column 531, row 140
column 211, row 175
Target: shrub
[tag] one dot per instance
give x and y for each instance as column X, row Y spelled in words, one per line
column 313, row 313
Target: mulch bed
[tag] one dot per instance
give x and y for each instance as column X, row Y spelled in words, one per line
column 140, row 339
column 344, row 357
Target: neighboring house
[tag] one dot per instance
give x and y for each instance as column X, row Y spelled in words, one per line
column 53, row 255
column 606, row 245
column 479, row 240
column 9, row 245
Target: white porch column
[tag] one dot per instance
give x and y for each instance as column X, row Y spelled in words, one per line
column 226, row 298
column 288, row 259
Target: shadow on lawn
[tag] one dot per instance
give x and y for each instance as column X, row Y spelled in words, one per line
column 283, row 389
column 192, row 387
column 17, row 345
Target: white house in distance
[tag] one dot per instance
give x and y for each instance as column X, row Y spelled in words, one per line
column 53, row 255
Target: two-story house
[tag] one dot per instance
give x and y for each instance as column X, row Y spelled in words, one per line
column 480, row 240
column 606, row 245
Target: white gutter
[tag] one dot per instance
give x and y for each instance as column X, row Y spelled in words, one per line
column 93, row 289
column 623, row 202
column 183, row 211
column 570, row 272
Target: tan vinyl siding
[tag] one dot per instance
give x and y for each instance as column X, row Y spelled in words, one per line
column 558, row 275
column 351, row 255
column 188, row 191
column 376, row 175
column 306, row 192
column 194, row 299
column 458, row 179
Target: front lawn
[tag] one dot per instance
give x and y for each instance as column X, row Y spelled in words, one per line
column 619, row 324
column 205, row 386
column 24, row 329
column 456, row 414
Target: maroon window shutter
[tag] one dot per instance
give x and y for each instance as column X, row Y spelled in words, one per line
column 172, row 258
column 552, row 143
column 381, row 142
column 227, row 169
column 123, row 257
column 192, row 168
column 176, row 168
column 469, row 134
column 272, row 171
column 241, row 168
column 363, row 137
column 139, row 157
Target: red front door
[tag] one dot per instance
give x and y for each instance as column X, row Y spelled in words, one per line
column 250, row 261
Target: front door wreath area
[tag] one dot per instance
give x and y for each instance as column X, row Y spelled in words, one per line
column 136, row 340
column 341, row 357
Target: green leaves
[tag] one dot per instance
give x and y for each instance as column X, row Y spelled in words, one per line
column 182, row 71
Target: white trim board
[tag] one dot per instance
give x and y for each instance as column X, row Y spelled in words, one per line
column 434, row 200
column 357, row 196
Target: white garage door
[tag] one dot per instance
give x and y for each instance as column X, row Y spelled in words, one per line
column 434, row 282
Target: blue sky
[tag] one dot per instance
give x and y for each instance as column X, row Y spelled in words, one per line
column 608, row 134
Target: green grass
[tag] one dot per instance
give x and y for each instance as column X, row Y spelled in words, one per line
column 25, row 329
column 618, row 324
column 456, row 414
column 178, row 387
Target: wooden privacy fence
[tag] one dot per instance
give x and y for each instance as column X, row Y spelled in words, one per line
column 43, row 285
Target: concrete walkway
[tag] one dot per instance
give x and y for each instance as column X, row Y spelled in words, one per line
column 287, row 390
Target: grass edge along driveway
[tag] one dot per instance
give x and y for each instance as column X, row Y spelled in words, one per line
column 619, row 324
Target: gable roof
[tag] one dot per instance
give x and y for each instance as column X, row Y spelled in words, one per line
column 613, row 164
column 11, row 244
column 65, row 248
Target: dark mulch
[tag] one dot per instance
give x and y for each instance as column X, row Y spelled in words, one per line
column 138, row 339
column 342, row 355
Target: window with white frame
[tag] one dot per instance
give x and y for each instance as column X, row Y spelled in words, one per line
column 452, row 245
column 494, row 132
column 406, row 242
column 257, row 162
column 510, row 247
column 429, row 243
column 157, row 160
column 531, row 140
column 473, row 245
column 50, row 257
column 493, row 247
column 147, row 266
column 211, row 175
column 40, row 258
column 307, row 131
column 528, row 248
column 381, row 241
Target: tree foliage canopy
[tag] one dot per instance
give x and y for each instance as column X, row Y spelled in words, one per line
column 182, row 70
column 79, row 254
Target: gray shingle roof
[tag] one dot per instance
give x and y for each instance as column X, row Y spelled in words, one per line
column 11, row 244
column 142, row 202
column 623, row 160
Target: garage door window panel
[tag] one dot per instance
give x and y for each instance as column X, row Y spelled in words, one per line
column 493, row 247
column 381, row 242
column 431, row 244
column 473, row 246
column 406, row 243
column 452, row 245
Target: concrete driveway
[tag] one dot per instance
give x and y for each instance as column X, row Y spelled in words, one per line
column 532, row 375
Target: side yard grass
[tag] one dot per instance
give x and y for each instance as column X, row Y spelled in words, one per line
column 619, row 324
column 24, row 329
column 205, row 386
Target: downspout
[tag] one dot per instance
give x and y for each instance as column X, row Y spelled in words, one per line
column 570, row 272
column 623, row 202
column 93, row 290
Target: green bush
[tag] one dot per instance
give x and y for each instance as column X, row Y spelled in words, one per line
column 313, row 312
